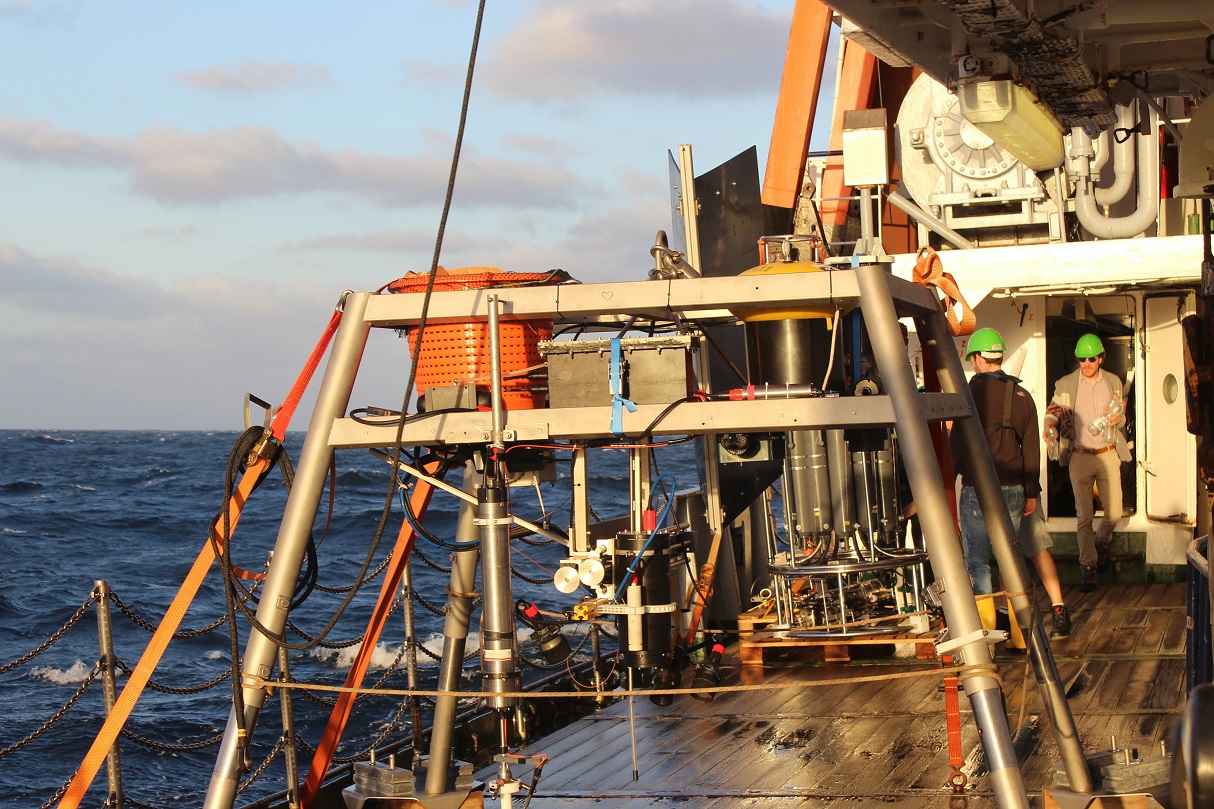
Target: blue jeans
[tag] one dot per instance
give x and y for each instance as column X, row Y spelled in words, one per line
column 976, row 540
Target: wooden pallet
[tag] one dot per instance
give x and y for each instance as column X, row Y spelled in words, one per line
column 757, row 644
column 752, row 620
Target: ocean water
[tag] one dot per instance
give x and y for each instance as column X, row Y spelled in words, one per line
column 132, row 508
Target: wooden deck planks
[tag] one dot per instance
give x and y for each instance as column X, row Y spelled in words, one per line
column 881, row 739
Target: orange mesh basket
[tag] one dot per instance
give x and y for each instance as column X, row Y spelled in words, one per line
column 455, row 353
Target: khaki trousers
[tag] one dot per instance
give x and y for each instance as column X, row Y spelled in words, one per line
column 1103, row 472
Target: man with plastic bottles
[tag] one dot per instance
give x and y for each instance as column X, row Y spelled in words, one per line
column 1084, row 432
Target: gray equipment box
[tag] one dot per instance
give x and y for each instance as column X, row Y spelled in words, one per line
column 654, row 370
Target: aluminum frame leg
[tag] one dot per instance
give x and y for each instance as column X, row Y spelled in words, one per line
column 936, row 519
column 291, row 545
column 1012, row 565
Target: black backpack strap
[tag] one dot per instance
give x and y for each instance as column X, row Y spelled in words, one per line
column 1009, row 391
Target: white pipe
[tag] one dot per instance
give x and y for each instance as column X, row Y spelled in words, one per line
column 1079, row 155
column 1103, row 150
column 1145, row 215
column 1123, row 161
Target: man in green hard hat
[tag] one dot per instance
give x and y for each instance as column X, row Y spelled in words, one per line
column 1009, row 419
column 1085, row 426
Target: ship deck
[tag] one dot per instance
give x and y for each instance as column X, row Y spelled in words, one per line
column 877, row 738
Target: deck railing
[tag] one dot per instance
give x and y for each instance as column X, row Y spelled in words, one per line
column 1199, row 668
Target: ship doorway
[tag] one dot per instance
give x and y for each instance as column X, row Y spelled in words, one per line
column 1113, row 318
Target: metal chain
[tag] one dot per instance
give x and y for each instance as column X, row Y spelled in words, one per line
column 529, row 579
column 418, row 598
column 180, row 691
column 147, row 625
column 365, row 752
column 428, row 562
column 324, row 644
column 138, row 804
column 374, row 574
column 59, row 793
column 59, row 714
column 317, row 699
column 248, row 782
column 202, row 744
column 21, row 661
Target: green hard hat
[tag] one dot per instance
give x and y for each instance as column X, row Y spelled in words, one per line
column 1089, row 345
column 985, row 341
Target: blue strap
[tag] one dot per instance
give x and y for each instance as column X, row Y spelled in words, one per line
column 618, row 402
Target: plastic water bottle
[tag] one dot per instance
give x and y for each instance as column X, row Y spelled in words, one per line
column 1098, row 425
column 1051, row 434
column 1115, row 411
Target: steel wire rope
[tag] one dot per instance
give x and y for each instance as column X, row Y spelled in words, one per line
column 52, row 640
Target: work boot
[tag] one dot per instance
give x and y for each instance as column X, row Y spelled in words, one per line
column 1102, row 554
column 1088, row 583
column 1062, row 623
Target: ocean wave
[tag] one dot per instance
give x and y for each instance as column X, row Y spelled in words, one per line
column 78, row 673
column 14, row 531
column 52, row 439
column 354, row 476
column 22, row 486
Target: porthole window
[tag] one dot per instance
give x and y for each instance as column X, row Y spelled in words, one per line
column 1171, row 388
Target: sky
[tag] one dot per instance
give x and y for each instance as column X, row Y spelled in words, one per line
column 186, row 188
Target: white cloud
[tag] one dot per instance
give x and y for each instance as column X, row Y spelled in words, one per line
column 679, row 48
column 65, row 286
column 41, row 13
column 176, row 167
column 169, row 234
column 389, row 241
column 97, row 349
column 254, row 77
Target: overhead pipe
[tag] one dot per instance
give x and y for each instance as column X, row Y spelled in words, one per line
column 1086, row 204
column 1098, row 153
column 1123, row 158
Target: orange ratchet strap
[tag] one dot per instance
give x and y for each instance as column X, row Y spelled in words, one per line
column 930, row 272
column 256, row 469
column 952, row 711
column 327, row 747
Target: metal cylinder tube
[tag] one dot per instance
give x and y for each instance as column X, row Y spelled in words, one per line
column 807, row 503
column 499, row 644
column 931, row 499
column 645, row 638
column 842, row 504
column 460, row 595
column 311, row 472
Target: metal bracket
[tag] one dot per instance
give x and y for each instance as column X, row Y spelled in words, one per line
column 624, row 609
column 977, row 636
